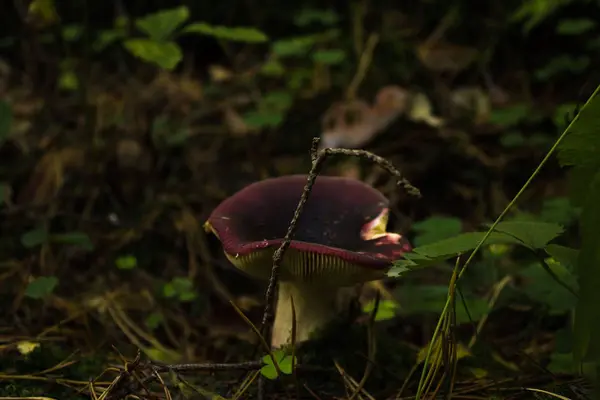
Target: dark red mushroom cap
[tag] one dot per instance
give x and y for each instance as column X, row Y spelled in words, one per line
column 340, row 236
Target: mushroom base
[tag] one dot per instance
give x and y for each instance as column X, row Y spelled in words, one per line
column 315, row 307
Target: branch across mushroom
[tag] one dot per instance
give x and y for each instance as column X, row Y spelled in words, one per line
column 341, row 240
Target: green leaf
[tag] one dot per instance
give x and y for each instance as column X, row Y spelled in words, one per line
column 541, row 287
column 106, row 38
column 385, row 310
column 154, row 320
column 161, row 25
column 80, row 239
column 563, row 255
column 559, row 210
column 575, row 26
column 68, row 80
column 284, row 361
column 436, row 228
column 296, row 46
column 276, row 100
column 462, row 243
column 272, row 68
column 562, row 64
column 533, row 234
column 126, row 262
column 34, row 238
column 71, row 33
column 263, row 119
column 182, row 288
column 164, row 54
column 329, row 57
column 512, row 139
column 432, row 299
column 41, row 287
column 6, row 119
column 510, row 116
column 237, row 34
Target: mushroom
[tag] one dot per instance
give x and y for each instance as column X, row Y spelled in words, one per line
column 353, row 123
column 340, row 241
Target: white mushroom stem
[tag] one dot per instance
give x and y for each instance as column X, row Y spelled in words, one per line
column 315, row 306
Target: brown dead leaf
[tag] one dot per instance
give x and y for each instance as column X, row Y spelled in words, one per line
column 235, row 123
column 353, row 123
column 48, row 176
column 472, row 102
column 219, row 73
column 445, row 57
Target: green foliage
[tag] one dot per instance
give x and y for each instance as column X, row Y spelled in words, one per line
column 579, row 150
column 575, row 26
column 238, row 34
column 161, row 25
column 430, row 299
column 80, row 239
column 542, row 288
column 531, row 234
column 34, row 238
column 533, row 12
column 510, row 116
column 126, row 262
column 180, row 288
column 386, row 309
column 562, row 64
column 164, row 54
column 284, row 361
column 41, row 287
column 160, row 48
column 436, row 228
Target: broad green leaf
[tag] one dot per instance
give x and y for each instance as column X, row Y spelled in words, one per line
column 329, row 57
column 512, row 139
column 80, row 239
column 106, row 38
column 559, row 210
column 182, row 288
column 263, row 119
column 562, row 64
column 126, row 262
column 237, row 34
column 72, row 33
column 44, row 10
column 164, row 54
column 272, row 68
column 510, row 116
column 34, row 238
column 284, row 362
column 535, row 235
column 432, row 298
column 462, row 243
column 436, row 228
column 154, row 320
column 161, row 25
column 41, row 287
column 575, row 26
column 564, row 255
column 277, row 100
column 296, row 46
column 6, row 119
column 541, row 287
column 385, row 310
